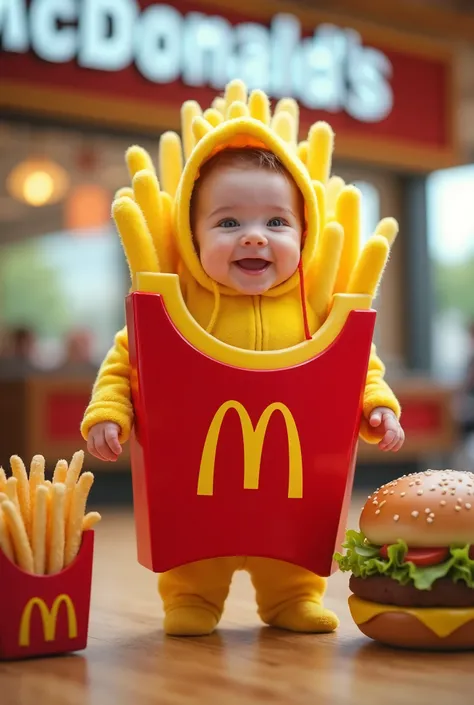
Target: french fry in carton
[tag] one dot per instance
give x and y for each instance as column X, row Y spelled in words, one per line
column 46, row 555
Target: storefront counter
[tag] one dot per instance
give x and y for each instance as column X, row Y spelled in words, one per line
column 42, row 414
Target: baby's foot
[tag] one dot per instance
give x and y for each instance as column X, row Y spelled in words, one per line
column 189, row 621
column 306, row 617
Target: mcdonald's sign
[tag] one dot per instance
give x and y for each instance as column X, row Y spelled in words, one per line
column 253, row 439
column 49, row 618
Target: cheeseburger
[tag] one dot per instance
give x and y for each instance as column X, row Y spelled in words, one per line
column 412, row 562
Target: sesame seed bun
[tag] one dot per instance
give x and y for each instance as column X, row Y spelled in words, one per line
column 427, row 509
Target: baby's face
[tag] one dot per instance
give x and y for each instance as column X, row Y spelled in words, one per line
column 248, row 224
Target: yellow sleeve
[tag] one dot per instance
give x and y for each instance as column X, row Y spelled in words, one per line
column 376, row 393
column 111, row 395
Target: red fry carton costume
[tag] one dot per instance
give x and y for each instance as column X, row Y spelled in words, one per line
column 230, row 400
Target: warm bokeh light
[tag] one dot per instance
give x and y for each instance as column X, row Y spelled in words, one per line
column 38, row 182
column 38, row 188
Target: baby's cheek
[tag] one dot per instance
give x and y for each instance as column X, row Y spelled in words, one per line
column 287, row 257
column 214, row 258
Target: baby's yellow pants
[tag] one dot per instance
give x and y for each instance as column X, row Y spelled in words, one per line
column 287, row 596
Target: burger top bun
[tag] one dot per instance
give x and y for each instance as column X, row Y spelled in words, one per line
column 426, row 509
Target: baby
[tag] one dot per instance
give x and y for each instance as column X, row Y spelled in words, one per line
column 247, row 217
column 248, row 226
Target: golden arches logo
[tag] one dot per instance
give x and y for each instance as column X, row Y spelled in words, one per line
column 48, row 617
column 253, row 440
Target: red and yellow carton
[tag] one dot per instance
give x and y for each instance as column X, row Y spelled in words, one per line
column 42, row 615
column 236, row 452
column 46, row 555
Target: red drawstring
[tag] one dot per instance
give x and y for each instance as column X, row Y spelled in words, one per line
column 303, row 302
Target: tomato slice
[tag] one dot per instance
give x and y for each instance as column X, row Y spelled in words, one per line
column 427, row 556
column 471, row 552
column 384, row 552
column 422, row 556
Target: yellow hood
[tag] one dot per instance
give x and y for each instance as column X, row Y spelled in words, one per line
column 236, row 121
column 243, row 125
column 153, row 217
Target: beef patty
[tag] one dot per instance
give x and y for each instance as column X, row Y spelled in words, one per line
column 387, row 591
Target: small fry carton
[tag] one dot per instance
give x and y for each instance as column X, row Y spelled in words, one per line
column 46, row 556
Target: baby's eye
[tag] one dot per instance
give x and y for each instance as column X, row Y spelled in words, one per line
column 276, row 223
column 228, row 223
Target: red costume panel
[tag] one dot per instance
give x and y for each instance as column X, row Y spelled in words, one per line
column 229, row 461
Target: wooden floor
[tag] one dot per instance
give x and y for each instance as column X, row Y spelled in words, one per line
column 130, row 662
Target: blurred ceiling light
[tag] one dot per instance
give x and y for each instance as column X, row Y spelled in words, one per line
column 38, row 188
column 38, row 182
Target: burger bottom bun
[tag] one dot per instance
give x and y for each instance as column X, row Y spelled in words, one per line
column 406, row 631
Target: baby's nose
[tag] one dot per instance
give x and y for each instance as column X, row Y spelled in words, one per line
column 254, row 239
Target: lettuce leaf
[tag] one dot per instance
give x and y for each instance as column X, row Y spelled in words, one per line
column 363, row 560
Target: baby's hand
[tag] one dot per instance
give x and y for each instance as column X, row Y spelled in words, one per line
column 103, row 441
column 394, row 435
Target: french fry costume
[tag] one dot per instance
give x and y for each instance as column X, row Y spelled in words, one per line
column 153, row 220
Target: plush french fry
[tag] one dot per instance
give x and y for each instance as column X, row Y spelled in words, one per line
column 168, row 254
column 367, row 273
column 55, row 557
column 21, row 545
column 214, row 118
column 219, row 104
column 156, row 204
column 124, row 191
column 388, row 228
column 171, row 152
column 325, row 268
column 320, row 192
column 60, row 472
column 320, row 148
column 38, row 530
column 5, row 541
column 23, row 489
column 90, row 520
column 148, row 197
column 348, row 214
column 333, row 191
column 303, row 150
column 76, row 516
column 3, row 497
column 135, row 236
column 138, row 159
column 189, row 110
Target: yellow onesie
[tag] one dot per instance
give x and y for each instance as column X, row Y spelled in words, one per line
column 333, row 261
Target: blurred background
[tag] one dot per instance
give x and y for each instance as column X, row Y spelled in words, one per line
column 81, row 81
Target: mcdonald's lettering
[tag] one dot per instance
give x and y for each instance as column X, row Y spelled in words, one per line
column 253, row 440
column 48, row 617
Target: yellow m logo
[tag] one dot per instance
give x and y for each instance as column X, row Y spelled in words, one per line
column 49, row 618
column 253, row 446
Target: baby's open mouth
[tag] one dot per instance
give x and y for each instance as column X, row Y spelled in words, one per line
column 254, row 266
